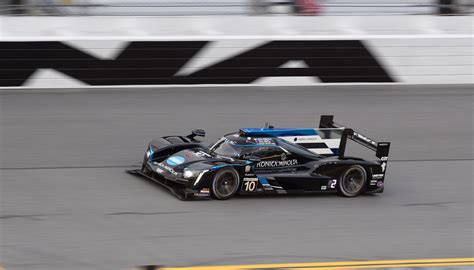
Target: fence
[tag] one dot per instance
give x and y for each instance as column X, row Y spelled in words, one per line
column 232, row 7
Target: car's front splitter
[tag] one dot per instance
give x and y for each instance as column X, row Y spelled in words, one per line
column 179, row 190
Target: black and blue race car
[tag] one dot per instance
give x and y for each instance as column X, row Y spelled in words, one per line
column 266, row 160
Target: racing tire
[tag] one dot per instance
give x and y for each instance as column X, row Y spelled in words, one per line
column 352, row 182
column 225, row 184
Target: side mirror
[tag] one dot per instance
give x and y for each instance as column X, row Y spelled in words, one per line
column 268, row 126
column 196, row 132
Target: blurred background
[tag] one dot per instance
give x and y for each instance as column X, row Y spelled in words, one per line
column 233, row 7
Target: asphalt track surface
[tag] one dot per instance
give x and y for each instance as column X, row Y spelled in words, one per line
column 66, row 202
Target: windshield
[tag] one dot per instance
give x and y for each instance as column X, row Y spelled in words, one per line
column 226, row 149
column 243, row 148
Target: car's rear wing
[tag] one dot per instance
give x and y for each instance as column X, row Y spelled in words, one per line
column 381, row 148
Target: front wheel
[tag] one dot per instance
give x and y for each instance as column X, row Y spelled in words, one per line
column 352, row 181
column 225, row 184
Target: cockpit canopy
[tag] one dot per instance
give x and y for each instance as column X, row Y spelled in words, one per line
column 240, row 147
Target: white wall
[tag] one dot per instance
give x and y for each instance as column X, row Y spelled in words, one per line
column 412, row 49
column 209, row 26
column 427, row 60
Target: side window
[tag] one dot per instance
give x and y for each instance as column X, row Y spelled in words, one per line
column 268, row 152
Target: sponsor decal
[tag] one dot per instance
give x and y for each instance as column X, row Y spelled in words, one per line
column 175, row 160
column 307, row 139
column 383, row 165
column 283, row 156
column 169, row 169
column 379, row 184
column 165, row 60
column 270, row 170
column 262, row 141
column 247, row 169
column 229, row 141
column 250, row 184
column 250, row 179
column 277, row 163
column 324, row 187
column 364, row 138
column 377, row 176
column 158, row 170
column 202, row 193
column 373, row 182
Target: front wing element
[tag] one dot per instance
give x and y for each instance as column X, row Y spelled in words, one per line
column 179, row 191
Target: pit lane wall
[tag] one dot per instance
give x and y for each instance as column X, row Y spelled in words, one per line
column 48, row 52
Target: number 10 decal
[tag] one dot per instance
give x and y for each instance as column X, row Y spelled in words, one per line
column 250, row 184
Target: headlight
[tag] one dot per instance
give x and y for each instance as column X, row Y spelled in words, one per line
column 149, row 152
column 189, row 174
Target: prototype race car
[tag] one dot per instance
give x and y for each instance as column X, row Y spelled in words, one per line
column 266, row 160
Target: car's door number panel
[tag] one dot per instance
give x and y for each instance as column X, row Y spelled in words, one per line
column 250, row 184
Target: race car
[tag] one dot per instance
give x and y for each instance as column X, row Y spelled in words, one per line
column 266, row 160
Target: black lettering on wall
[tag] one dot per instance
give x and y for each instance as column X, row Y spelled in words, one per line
column 140, row 63
column 157, row 62
column 331, row 61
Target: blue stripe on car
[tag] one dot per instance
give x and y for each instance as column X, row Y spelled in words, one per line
column 278, row 132
column 263, row 180
column 217, row 167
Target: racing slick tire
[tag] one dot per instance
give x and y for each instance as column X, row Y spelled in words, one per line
column 225, row 184
column 352, row 182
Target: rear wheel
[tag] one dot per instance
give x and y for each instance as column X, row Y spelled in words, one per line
column 225, row 184
column 352, row 181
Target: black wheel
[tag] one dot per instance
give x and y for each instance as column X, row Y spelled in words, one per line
column 352, row 181
column 225, row 184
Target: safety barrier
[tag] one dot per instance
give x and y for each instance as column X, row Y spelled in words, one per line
column 439, row 264
column 419, row 50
